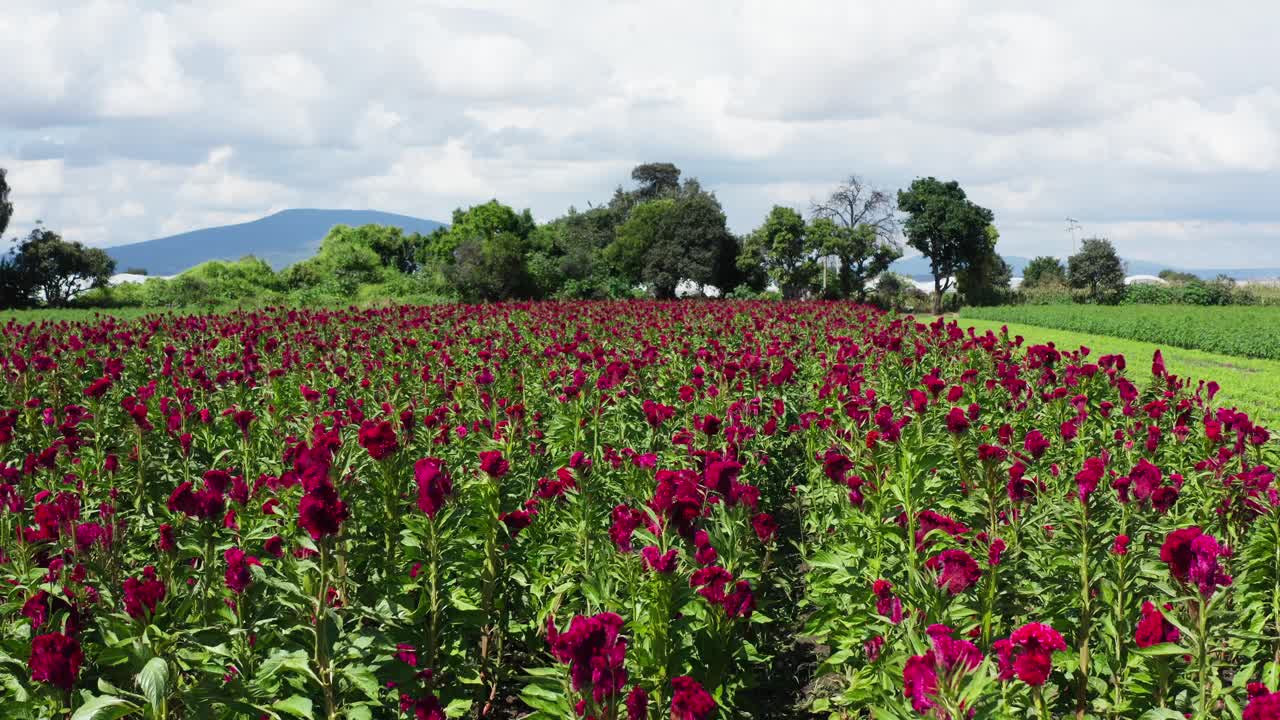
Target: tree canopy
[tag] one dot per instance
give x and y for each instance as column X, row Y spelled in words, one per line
column 1098, row 270
column 946, row 227
column 784, row 248
column 1043, row 270
column 54, row 270
column 6, row 207
column 856, row 224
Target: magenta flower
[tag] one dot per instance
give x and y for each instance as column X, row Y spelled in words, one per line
column 1154, row 628
column 957, row 570
column 434, row 485
column 1028, row 653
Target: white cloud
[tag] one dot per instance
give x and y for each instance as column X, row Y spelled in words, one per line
column 125, row 120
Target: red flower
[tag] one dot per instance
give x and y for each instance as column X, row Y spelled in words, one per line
column 1263, row 706
column 98, row 387
column 887, row 604
column 658, row 561
column 957, row 570
column 238, row 576
column 957, row 422
column 1028, row 653
column 946, row 656
column 1036, row 444
column 689, row 701
column 1192, row 557
column 1154, row 628
column 141, row 597
column 493, row 464
column 637, row 704
column 594, row 653
column 1121, row 545
column 1088, row 477
column 378, row 438
column 434, row 484
column 321, row 512
column 765, row 526
column 55, row 660
column 516, row 520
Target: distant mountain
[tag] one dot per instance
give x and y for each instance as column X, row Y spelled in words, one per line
column 917, row 268
column 280, row 239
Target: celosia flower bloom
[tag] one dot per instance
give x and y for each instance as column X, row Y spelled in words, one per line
column 238, row 576
column 55, row 660
column 957, row 570
column 1154, row 628
column 141, row 597
column 689, row 701
column 1028, row 653
column 594, row 653
column 434, row 485
column 1192, row 557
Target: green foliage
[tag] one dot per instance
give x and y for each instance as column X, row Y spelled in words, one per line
column 6, row 207
column 856, row 224
column 1098, row 270
column 1176, row 277
column 673, row 238
column 656, row 180
column 45, row 268
column 1243, row 331
column 783, row 247
column 946, row 227
column 1043, row 270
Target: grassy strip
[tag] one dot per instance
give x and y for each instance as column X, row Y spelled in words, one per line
column 1249, row 384
column 1244, row 331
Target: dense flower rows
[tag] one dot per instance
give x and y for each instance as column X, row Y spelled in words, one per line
column 623, row 510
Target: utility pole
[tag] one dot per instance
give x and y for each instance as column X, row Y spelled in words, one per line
column 1072, row 226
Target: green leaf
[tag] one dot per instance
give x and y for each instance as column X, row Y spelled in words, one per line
column 296, row 661
column 363, row 679
column 104, row 707
column 1162, row 714
column 457, row 708
column 1161, row 650
column 154, row 681
column 295, row 705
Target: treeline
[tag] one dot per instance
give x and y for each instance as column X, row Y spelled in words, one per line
column 1096, row 275
column 662, row 237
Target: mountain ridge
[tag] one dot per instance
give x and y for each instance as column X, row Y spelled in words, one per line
column 281, row 238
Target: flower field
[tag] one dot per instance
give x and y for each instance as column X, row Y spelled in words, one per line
column 680, row 510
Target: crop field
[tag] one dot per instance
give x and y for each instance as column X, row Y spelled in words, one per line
column 668, row 511
column 1243, row 331
column 1249, row 384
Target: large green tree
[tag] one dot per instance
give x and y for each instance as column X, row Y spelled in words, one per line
column 6, row 207
column 53, row 270
column 1098, row 270
column 676, row 237
column 485, row 252
column 946, row 227
column 1043, row 270
column 857, row 226
column 783, row 247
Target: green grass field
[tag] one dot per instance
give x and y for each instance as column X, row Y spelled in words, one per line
column 1252, row 385
column 1239, row 330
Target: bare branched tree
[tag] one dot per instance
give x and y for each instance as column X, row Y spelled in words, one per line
column 854, row 202
column 856, row 224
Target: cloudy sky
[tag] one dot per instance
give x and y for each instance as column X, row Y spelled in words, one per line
column 1156, row 124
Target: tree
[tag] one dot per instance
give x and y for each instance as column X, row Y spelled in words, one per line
column 655, row 180
column 485, row 252
column 856, row 225
column 783, row 248
column 1098, row 269
column 671, row 239
column 56, row 270
column 1176, row 277
column 946, row 228
column 6, row 207
column 1043, row 270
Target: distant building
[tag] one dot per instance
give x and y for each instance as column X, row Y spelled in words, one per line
column 1145, row 280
